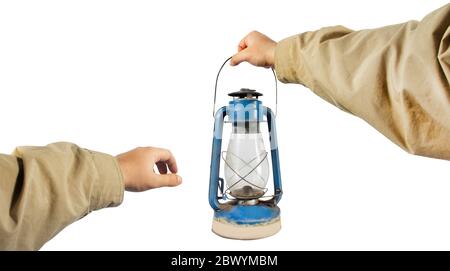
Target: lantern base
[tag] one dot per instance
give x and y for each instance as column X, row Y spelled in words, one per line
column 247, row 222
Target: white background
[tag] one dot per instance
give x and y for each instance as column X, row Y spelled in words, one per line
column 113, row 75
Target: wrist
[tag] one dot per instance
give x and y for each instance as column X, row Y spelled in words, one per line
column 123, row 169
column 109, row 187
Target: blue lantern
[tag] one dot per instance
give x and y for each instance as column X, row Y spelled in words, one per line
column 242, row 210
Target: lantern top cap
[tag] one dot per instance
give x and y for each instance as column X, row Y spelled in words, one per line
column 245, row 93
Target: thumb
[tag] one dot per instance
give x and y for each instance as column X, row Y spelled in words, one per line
column 167, row 180
column 240, row 57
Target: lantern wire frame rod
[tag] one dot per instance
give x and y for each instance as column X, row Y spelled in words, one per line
column 217, row 81
column 242, row 178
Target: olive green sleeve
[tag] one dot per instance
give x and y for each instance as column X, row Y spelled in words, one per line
column 396, row 77
column 44, row 189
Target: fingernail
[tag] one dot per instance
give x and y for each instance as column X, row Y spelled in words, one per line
column 179, row 179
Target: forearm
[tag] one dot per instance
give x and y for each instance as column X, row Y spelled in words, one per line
column 395, row 77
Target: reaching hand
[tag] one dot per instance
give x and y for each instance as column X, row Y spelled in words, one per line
column 137, row 168
column 257, row 49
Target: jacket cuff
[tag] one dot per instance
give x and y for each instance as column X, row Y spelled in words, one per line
column 109, row 188
column 289, row 64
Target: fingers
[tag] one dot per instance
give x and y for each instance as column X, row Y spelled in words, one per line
column 242, row 44
column 256, row 49
column 242, row 54
column 169, row 180
column 163, row 156
column 240, row 57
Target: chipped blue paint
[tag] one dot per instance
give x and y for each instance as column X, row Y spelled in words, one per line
column 250, row 215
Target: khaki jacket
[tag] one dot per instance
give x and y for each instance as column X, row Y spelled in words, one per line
column 44, row 189
column 396, row 78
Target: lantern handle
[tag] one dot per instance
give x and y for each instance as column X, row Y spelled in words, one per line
column 217, row 80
